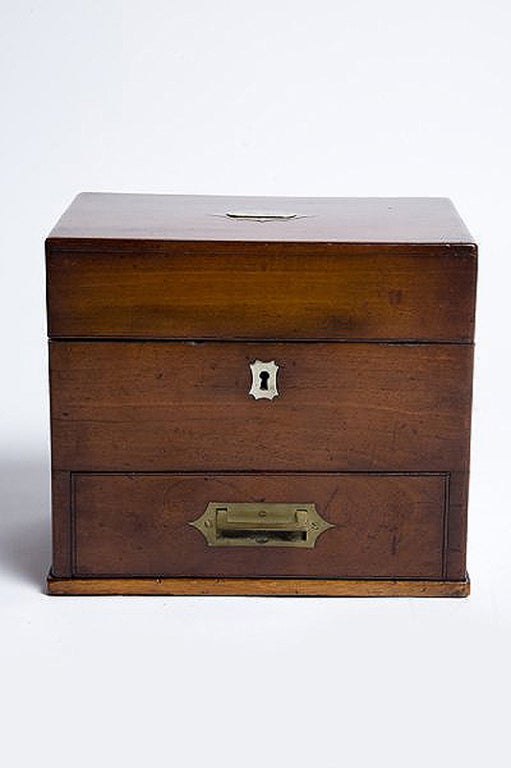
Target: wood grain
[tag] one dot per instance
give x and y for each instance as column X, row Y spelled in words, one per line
column 261, row 587
column 61, row 503
column 139, row 525
column 185, row 406
column 260, row 291
column 94, row 216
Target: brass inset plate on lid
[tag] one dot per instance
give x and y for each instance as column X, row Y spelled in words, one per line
column 262, row 216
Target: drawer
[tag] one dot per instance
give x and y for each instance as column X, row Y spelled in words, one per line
column 299, row 291
column 168, row 406
column 381, row 526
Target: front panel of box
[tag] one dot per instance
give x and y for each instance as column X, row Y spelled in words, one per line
column 372, row 525
column 147, row 434
column 146, row 406
column 261, row 291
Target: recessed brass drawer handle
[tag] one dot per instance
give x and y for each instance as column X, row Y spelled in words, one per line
column 260, row 524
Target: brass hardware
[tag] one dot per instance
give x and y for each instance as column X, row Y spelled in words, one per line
column 260, row 524
column 261, row 215
column 264, row 380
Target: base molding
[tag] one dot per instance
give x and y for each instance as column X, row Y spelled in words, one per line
column 284, row 587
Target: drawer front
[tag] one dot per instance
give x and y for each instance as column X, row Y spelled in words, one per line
column 167, row 406
column 382, row 526
column 261, row 291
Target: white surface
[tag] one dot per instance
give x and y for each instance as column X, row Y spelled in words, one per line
column 324, row 98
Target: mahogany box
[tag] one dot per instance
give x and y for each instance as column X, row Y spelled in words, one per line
column 260, row 396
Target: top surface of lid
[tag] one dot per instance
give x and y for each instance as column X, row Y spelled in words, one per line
column 264, row 219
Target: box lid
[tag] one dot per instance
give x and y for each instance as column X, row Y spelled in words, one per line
column 181, row 267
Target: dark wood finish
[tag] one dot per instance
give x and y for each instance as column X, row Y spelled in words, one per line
column 97, row 216
column 384, row 526
column 260, row 291
column 261, row 587
column 176, row 267
column 456, row 525
column 61, row 502
column 162, row 406
column 156, row 306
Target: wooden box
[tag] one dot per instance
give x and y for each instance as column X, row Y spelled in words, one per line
column 260, row 396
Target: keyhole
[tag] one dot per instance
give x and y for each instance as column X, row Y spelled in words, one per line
column 263, row 380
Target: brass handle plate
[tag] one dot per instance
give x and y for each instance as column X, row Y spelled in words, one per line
column 260, row 524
